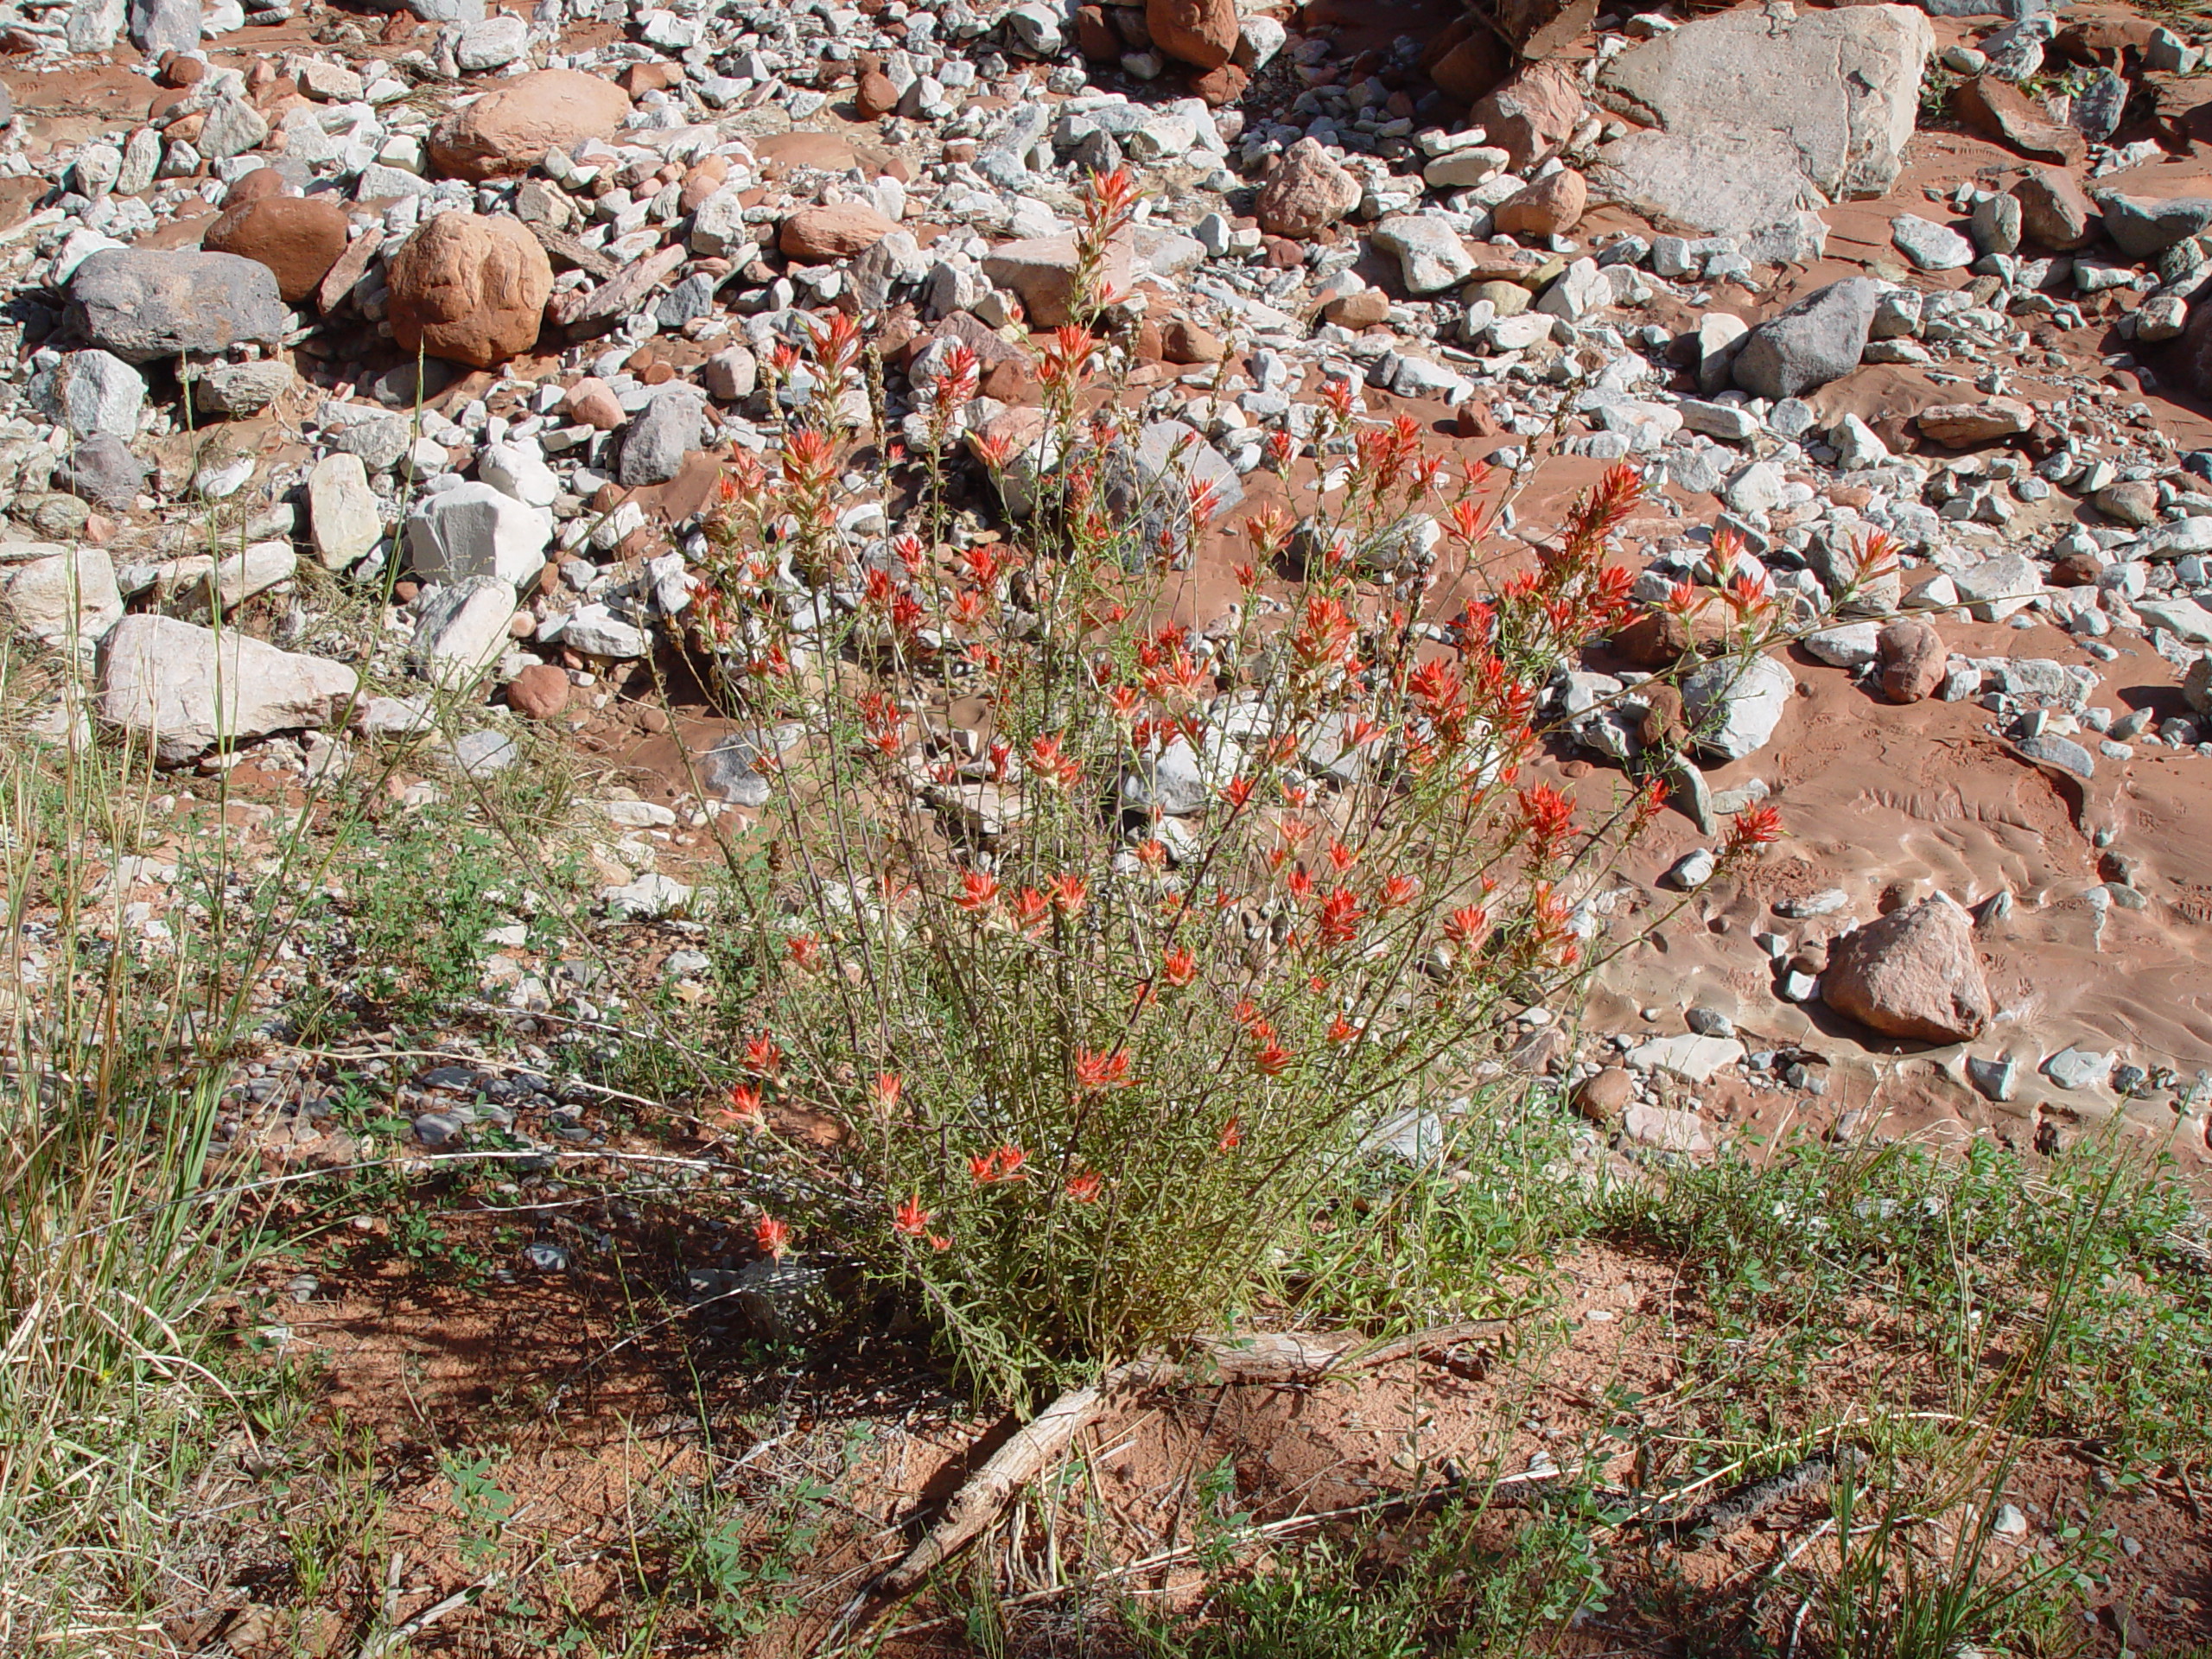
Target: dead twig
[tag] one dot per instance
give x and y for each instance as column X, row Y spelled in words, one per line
column 1274, row 1358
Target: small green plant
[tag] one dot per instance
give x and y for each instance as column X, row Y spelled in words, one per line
column 739, row 1563
column 484, row 1508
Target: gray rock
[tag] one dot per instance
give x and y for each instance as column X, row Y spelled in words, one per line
column 2145, row 228
column 1997, row 224
column 237, row 389
column 665, row 430
column 1930, row 246
column 377, row 444
column 493, row 43
column 2078, row 1068
column 1734, row 707
column 1839, row 90
column 93, row 26
column 481, row 754
column 95, row 392
column 461, row 631
column 2099, row 105
column 2016, row 51
column 1431, row 255
column 102, row 470
column 155, row 24
column 186, row 688
column 233, row 126
column 596, row 630
column 141, row 304
column 1810, row 344
column 2064, row 752
column 730, row 771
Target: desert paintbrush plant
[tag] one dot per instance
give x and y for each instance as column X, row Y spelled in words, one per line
column 1104, row 942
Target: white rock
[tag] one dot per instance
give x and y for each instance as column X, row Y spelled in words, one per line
column 67, row 599
column 475, row 530
column 646, row 899
column 461, row 631
column 93, row 392
column 1686, row 1055
column 342, row 513
column 1734, row 707
column 187, row 688
column 1850, row 646
column 517, row 470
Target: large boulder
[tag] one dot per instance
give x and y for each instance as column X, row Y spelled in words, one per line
column 1201, row 33
column 1835, row 92
column 1306, row 193
column 298, row 238
column 186, row 688
column 509, row 130
column 1914, row 973
column 142, row 304
column 1810, row 344
column 470, row 288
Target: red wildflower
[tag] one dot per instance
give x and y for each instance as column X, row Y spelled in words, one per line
column 1342, row 1031
column 1270, row 1058
column 1047, row 761
column 1069, row 894
column 1398, row 890
column 889, row 1086
column 762, row 1056
column 1340, row 917
column 773, row 1236
column 1759, row 827
column 1466, row 925
column 805, row 951
column 910, row 1218
column 1084, row 1188
column 1231, row 1137
column 977, row 891
column 1096, row 1072
column 1178, row 967
column 744, row 1107
column 1029, row 910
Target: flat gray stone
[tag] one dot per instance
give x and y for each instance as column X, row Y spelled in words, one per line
column 142, row 304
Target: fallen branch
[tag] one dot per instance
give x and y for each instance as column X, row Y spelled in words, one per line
column 1292, row 1356
column 1501, row 1493
column 378, row 1646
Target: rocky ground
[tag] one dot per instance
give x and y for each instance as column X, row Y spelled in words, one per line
column 414, row 342
column 1942, row 292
